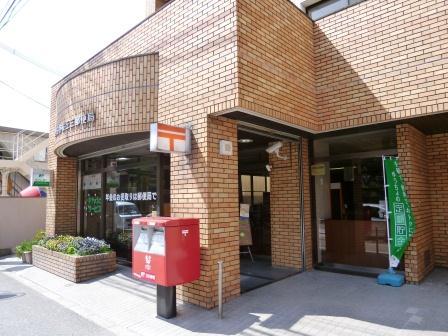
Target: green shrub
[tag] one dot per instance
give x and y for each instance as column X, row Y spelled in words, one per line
column 25, row 246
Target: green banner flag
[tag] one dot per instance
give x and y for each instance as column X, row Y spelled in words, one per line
column 401, row 219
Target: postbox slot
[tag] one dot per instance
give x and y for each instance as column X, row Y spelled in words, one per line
column 149, row 240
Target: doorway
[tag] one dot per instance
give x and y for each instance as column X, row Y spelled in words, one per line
column 349, row 195
column 256, row 267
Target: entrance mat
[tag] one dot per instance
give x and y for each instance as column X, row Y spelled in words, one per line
column 248, row 283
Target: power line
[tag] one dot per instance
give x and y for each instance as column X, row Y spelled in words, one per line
column 28, row 59
column 12, row 11
column 23, row 94
column 6, row 8
column 5, row 18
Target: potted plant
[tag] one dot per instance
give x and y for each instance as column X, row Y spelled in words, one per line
column 25, row 249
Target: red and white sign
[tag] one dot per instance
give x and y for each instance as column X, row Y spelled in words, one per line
column 170, row 139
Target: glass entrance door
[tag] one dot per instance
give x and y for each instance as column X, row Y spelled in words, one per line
column 93, row 205
column 349, row 199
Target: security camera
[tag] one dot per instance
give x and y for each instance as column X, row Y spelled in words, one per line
column 275, row 148
column 268, row 168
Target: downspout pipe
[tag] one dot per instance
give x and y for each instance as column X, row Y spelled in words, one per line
column 301, row 202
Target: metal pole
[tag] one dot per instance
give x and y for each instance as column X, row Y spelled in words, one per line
column 387, row 212
column 301, row 203
column 220, row 269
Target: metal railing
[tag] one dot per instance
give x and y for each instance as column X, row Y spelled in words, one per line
column 25, row 141
column 18, row 183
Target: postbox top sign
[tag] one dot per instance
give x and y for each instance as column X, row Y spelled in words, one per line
column 169, row 139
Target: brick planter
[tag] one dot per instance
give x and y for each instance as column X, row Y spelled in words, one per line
column 74, row 268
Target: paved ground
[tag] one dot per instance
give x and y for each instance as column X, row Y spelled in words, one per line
column 23, row 311
column 313, row 303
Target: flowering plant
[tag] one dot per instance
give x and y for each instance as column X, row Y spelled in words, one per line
column 75, row 245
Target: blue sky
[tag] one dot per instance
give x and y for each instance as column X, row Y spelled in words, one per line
column 60, row 35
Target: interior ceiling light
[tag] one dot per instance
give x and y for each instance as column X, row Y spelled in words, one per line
column 122, row 159
column 245, row 140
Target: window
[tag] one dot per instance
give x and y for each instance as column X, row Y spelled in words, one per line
column 253, row 188
column 325, row 8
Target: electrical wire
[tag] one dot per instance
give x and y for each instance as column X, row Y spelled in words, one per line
column 28, row 59
column 6, row 17
column 12, row 11
column 24, row 94
column 6, row 8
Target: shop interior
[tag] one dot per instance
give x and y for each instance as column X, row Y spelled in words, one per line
column 119, row 187
column 256, row 269
column 349, row 201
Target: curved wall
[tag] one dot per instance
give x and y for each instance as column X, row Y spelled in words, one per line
column 122, row 95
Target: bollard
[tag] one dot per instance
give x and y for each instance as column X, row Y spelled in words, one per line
column 220, row 272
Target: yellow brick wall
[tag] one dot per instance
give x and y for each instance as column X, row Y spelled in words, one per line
column 286, row 236
column 437, row 153
column 381, row 60
column 412, row 153
column 123, row 94
column 205, row 186
column 276, row 62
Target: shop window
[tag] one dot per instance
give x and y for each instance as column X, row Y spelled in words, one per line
column 120, row 187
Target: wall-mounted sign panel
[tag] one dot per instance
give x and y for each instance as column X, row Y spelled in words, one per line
column 92, row 181
column 40, row 177
column 318, row 169
column 170, row 139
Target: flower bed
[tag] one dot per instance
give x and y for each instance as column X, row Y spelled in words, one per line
column 74, row 258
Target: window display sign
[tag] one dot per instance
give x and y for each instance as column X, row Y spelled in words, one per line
column 92, row 181
column 170, row 139
column 245, row 231
column 138, row 196
column 93, row 204
column 40, row 177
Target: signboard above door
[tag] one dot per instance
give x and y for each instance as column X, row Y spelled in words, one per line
column 170, row 139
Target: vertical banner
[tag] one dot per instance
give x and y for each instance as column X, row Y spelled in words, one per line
column 401, row 219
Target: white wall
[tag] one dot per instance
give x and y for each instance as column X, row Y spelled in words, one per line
column 20, row 218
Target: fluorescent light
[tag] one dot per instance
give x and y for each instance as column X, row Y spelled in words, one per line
column 245, row 140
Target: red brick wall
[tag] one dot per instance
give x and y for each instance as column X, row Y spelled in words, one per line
column 381, row 60
column 437, row 153
column 276, row 62
column 286, row 241
column 412, row 153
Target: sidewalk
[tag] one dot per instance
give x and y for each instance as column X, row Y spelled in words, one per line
column 313, row 303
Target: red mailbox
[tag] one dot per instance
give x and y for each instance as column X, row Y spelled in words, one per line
column 165, row 250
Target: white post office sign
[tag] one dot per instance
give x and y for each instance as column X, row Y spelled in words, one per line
column 169, row 139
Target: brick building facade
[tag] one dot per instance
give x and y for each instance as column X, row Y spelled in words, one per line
column 218, row 65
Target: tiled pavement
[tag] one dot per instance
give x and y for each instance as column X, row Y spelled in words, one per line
column 309, row 304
